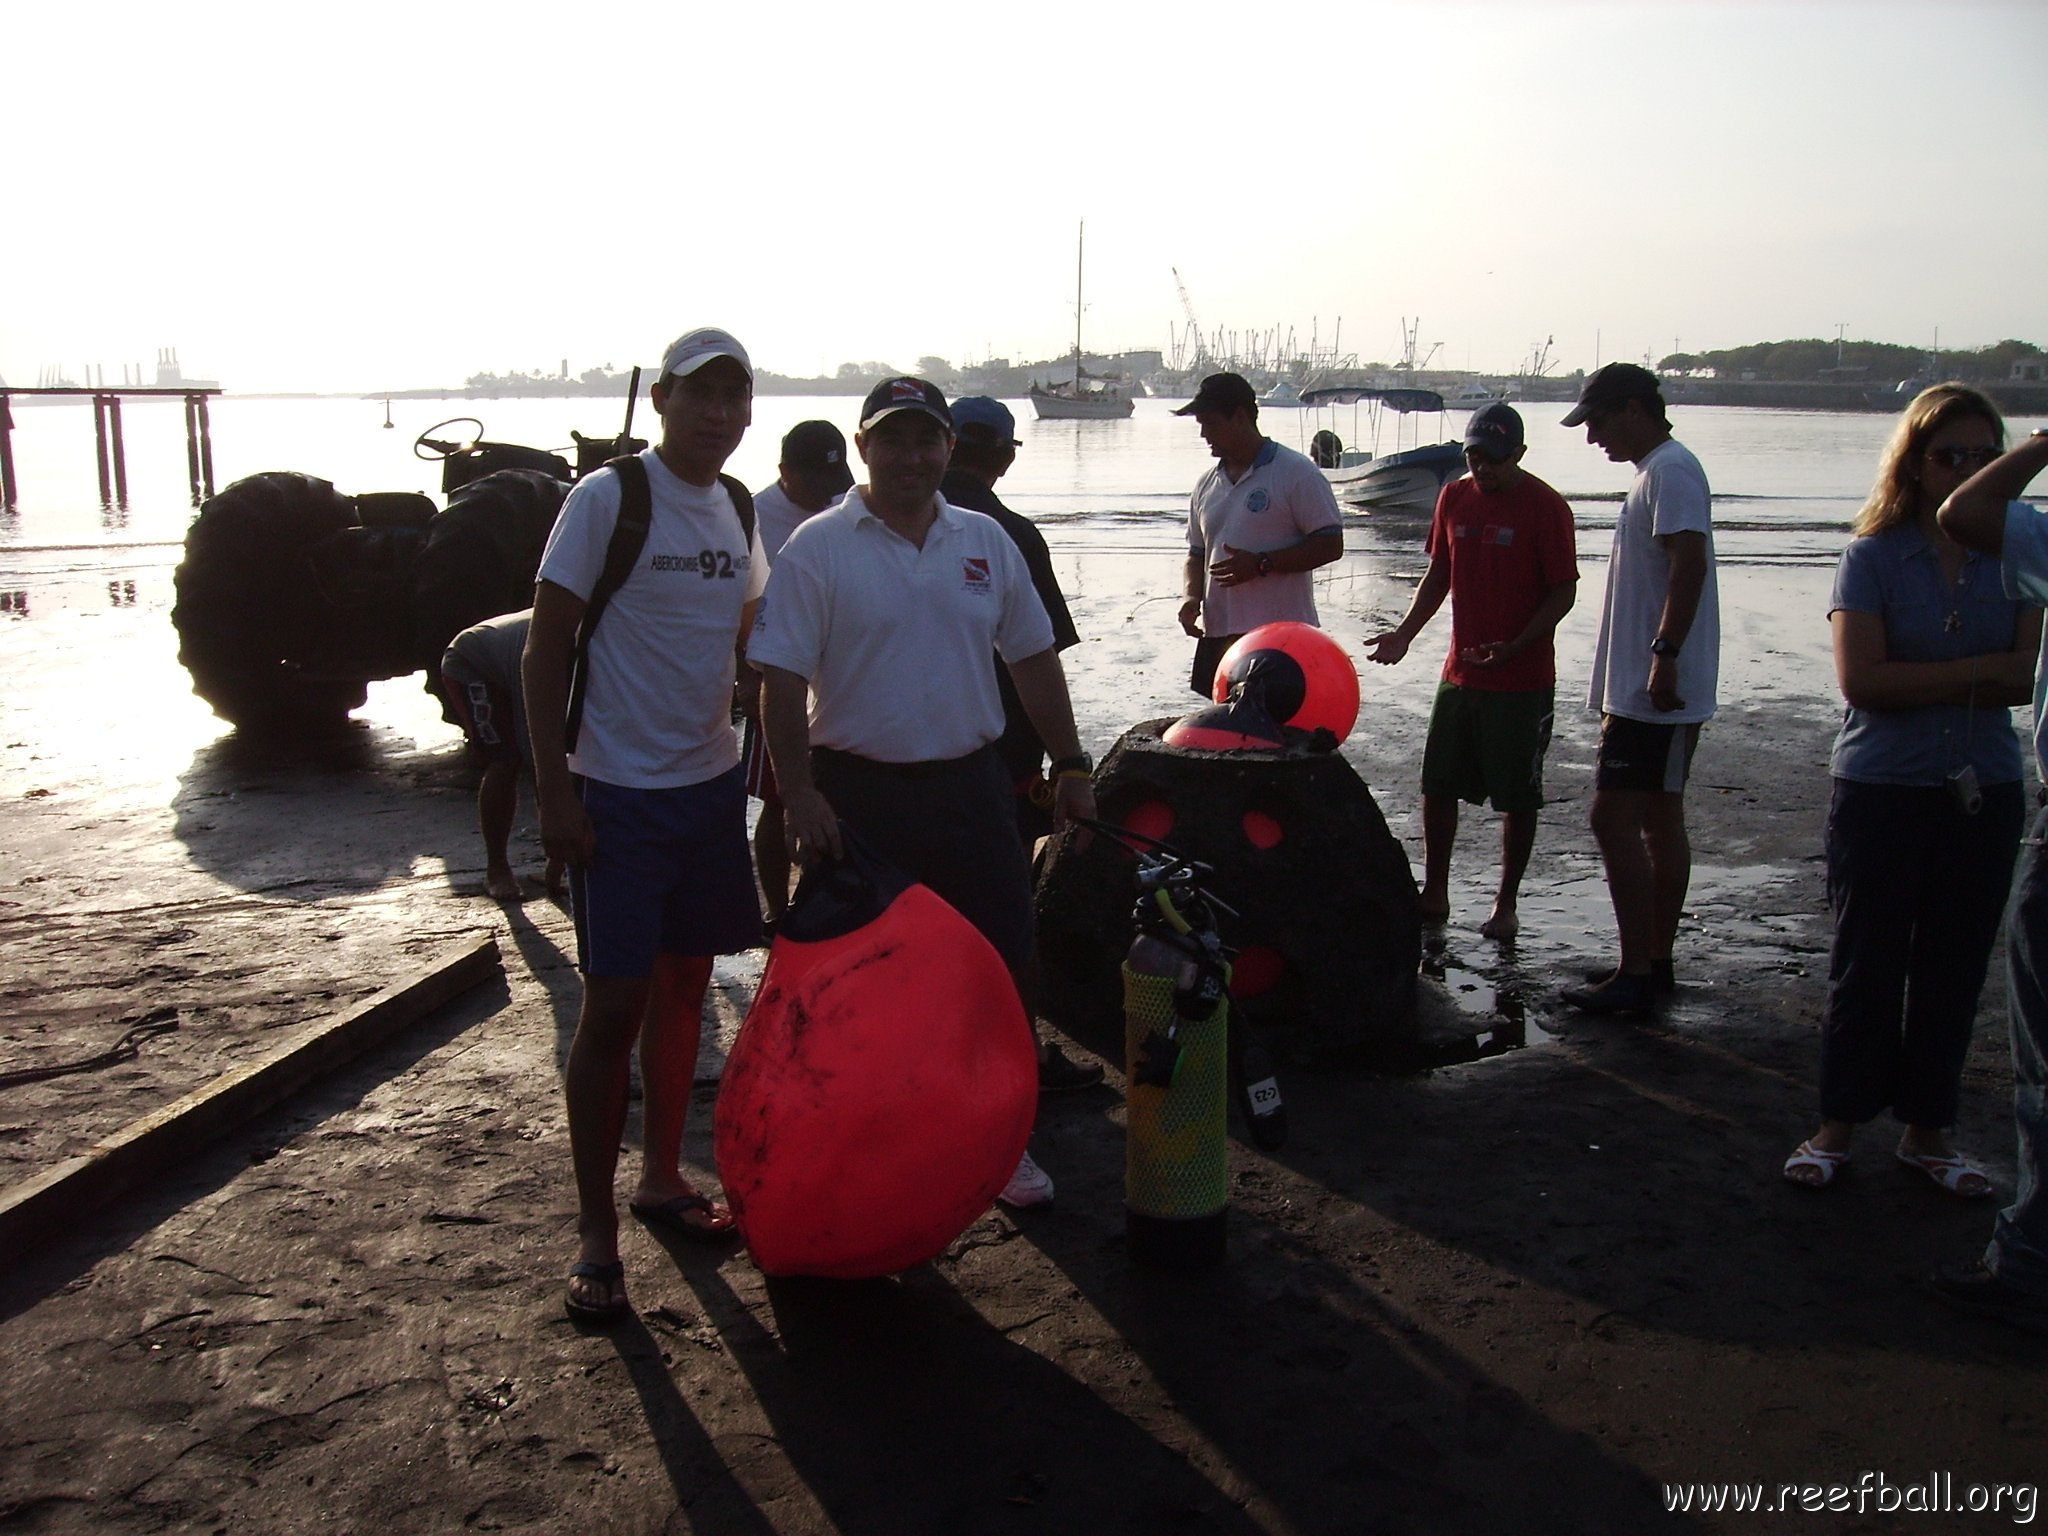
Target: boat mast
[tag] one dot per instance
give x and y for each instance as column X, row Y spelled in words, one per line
column 1080, row 239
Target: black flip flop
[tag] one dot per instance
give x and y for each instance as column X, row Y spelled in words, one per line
column 604, row 1274
column 668, row 1217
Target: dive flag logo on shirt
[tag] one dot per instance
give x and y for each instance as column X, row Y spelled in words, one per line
column 975, row 572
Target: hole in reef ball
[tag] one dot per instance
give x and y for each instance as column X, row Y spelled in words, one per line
column 1256, row 969
column 1154, row 818
column 1262, row 830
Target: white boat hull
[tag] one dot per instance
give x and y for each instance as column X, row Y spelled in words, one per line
column 1399, row 482
column 1097, row 405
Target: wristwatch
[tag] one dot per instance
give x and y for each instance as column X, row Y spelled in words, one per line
column 1080, row 763
column 1265, row 565
column 1662, row 647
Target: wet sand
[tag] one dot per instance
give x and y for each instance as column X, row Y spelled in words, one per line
column 1514, row 1295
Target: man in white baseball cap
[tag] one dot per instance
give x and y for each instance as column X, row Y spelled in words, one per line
column 645, row 802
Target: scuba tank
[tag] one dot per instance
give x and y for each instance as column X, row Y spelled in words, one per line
column 1179, row 1066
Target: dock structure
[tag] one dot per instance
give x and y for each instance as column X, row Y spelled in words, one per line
column 106, row 422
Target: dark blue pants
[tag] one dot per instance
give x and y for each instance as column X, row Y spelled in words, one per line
column 2019, row 1243
column 1918, row 890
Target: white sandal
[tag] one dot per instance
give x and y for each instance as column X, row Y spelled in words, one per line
column 1825, row 1164
column 1949, row 1172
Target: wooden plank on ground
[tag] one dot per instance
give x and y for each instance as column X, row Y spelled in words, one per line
column 54, row 1201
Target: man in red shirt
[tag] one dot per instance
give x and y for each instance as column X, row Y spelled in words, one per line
column 1502, row 549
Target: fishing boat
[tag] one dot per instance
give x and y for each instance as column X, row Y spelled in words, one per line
column 1083, row 398
column 1282, row 396
column 1403, row 480
column 1471, row 397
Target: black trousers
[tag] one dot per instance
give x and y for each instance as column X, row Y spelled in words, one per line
column 950, row 825
column 1918, row 890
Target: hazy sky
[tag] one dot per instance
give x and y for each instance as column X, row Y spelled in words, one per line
column 382, row 195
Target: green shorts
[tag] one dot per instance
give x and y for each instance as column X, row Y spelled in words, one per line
column 1488, row 746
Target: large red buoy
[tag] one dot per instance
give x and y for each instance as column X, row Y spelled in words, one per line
column 1296, row 673
column 879, row 1094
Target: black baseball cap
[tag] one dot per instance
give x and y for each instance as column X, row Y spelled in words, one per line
column 1223, row 393
column 1495, row 430
column 893, row 395
column 817, row 451
column 1616, row 384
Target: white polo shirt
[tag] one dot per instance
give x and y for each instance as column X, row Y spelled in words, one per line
column 657, row 713
column 1282, row 499
column 897, row 641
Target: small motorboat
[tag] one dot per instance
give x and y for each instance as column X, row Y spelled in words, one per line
column 1403, row 480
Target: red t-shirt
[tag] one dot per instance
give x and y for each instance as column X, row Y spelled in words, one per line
column 1506, row 550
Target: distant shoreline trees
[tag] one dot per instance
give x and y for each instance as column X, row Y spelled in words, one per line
column 1819, row 358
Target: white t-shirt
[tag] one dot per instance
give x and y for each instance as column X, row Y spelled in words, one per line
column 657, row 713
column 1670, row 495
column 898, row 642
column 776, row 516
column 1280, row 501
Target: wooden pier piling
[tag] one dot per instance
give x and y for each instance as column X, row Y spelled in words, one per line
column 109, row 447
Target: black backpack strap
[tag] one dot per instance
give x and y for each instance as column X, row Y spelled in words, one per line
column 742, row 503
column 629, row 537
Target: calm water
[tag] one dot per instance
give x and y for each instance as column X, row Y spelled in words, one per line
column 1785, row 482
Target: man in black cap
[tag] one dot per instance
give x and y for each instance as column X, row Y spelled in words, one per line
column 1258, row 523
column 813, row 474
column 886, row 614
column 984, row 447
column 1654, row 677
column 1502, row 549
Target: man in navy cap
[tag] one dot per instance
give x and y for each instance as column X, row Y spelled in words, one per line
column 813, row 475
column 1258, row 523
column 877, row 641
column 984, row 447
column 1654, row 677
column 1502, row 549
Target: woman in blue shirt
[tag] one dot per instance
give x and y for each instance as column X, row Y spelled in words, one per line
column 1928, row 802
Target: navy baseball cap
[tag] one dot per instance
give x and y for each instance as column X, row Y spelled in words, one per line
column 816, row 449
column 1223, row 393
column 893, row 395
column 1495, row 430
column 991, row 415
column 1616, row 384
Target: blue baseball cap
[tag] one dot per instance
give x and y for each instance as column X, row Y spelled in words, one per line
column 992, row 415
column 1495, row 430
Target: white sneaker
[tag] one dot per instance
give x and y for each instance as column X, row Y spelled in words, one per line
column 1029, row 1185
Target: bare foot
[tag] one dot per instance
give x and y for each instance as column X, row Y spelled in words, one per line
column 1502, row 925
column 504, row 886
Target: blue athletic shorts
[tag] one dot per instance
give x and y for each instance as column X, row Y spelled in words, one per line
column 672, row 875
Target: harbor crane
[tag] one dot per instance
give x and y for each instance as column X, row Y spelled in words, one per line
column 1187, row 307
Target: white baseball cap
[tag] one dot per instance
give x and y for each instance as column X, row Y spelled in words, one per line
column 693, row 349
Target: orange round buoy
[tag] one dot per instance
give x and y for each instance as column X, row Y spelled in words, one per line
column 1297, row 673
column 879, row 1094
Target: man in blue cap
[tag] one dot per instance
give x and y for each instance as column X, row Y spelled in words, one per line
column 1502, row 549
column 984, row 447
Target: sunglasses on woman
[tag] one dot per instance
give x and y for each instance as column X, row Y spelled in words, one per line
column 1962, row 458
